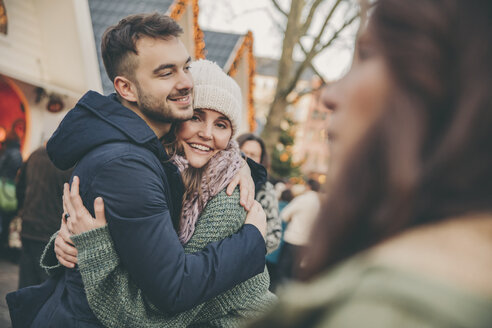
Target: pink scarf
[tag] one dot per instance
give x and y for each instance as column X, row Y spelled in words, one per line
column 220, row 170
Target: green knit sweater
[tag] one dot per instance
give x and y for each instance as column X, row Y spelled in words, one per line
column 117, row 302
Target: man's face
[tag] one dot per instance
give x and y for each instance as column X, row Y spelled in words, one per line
column 163, row 81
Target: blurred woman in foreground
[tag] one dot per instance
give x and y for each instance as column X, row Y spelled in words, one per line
column 405, row 237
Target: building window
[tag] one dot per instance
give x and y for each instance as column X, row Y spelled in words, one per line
column 3, row 18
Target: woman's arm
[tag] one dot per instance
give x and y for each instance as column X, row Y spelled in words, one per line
column 222, row 217
column 111, row 293
column 113, row 296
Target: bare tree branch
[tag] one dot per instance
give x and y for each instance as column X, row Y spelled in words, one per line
column 317, row 73
column 312, row 52
column 311, row 65
column 337, row 33
column 309, row 18
column 304, row 92
column 297, row 29
column 301, row 94
column 275, row 3
column 279, row 26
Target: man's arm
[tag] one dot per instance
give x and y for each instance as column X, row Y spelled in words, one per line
column 144, row 237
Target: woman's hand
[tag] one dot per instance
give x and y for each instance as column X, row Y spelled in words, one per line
column 246, row 187
column 65, row 252
column 257, row 217
column 79, row 219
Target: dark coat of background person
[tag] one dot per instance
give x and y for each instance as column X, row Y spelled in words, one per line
column 120, row 159
column 10, row 162
column 39, row 195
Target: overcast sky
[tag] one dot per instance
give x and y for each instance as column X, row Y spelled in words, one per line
column 259, row 16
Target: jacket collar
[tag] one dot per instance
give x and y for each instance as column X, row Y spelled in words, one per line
column 117, row 115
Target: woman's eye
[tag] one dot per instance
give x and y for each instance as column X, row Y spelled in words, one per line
column 222, row 125
column 195, row 118
column 187, row 68
column 165, row 74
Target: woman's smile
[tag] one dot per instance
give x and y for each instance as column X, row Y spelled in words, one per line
column 204, row 135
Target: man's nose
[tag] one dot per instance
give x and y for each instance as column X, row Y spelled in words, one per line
column 185, row 81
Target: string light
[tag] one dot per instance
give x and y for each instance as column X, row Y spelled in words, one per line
column 178, row 10
column 247, row 47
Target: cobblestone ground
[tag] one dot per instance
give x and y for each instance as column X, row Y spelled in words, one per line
column 9, row 274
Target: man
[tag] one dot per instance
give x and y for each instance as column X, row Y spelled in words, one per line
column 39, row 193
column 115, row 142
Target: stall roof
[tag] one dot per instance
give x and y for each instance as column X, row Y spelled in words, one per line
column 221, row 46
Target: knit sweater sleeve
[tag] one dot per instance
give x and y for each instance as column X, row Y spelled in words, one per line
column 117, row 301
column 111, row 293
column 222, row 217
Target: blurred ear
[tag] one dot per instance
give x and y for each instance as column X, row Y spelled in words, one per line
column 125, row 88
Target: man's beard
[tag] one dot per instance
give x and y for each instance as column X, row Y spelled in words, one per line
column 154, row 109
column 157, row 109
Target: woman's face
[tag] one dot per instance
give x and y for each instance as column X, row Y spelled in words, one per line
column 357, row 100
column 204, row 135
column 252, row 149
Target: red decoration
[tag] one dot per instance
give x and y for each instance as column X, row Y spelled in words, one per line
column 55, row 104
column 247, row 48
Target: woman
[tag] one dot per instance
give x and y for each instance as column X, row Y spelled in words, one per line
column 208, row 158
column 254, row 147
column 405, row 237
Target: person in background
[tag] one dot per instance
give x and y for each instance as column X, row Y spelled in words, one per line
column 39, row 194
column 272, row 258
column 254, row 147
column 10, row 162
column 299, row 215
column 405, row 236
column 285, row 198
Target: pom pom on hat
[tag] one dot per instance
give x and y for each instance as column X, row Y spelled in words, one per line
column 214, row 89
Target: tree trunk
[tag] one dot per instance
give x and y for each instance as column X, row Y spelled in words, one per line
column 272, row 130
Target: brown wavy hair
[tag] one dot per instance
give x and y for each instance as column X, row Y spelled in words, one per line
column 428, row 158
column 191, row 177
column 119, row 42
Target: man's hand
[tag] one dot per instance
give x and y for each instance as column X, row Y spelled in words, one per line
column 80, row 220
column 65, row 252
column 257, row 217
column 246, row 187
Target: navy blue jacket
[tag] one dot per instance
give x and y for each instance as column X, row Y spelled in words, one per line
column 120, row 158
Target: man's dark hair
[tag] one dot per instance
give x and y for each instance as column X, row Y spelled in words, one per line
column 119, row 41
column 313, row 184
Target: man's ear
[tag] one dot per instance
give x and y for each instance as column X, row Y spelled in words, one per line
column 125, row 88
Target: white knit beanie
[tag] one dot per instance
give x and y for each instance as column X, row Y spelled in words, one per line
column 214, row 89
